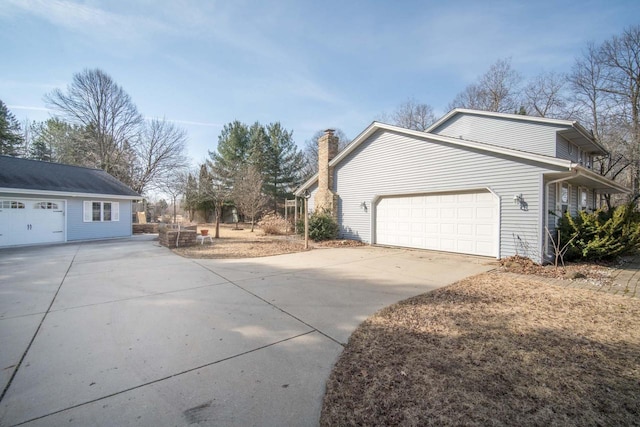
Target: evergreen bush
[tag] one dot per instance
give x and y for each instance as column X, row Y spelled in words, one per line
column 602, row 235
column 322, row 226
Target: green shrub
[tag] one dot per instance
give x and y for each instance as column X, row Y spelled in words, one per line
column 322, row 226
column 602, row 234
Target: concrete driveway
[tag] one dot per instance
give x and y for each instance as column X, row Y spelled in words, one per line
column 126, row 333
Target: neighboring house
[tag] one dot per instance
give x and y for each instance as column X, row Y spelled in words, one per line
column 42, row 202
column 475, row 182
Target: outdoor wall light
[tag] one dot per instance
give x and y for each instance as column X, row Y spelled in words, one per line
column 517, row 199
column 363, row 206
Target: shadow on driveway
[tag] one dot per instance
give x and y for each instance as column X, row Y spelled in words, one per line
column 127, row 333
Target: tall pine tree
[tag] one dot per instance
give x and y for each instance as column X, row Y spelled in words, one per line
column 282, row 164
column 10, row 134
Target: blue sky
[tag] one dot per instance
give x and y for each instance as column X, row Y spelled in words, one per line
column 309, row 65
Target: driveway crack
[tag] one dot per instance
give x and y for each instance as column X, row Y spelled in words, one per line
column 33, row 338
column 272, row 304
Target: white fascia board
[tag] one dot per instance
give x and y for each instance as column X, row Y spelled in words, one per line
column 308, row 183
column 500, row 115
column 342, row 154
column 67, row 194
column 570, row 123
column 481, row 146
column 373, row 127
column 601, row 179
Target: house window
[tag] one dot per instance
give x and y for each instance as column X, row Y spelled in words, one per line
column 563, row 197
column 101, row 211
column 583, row 199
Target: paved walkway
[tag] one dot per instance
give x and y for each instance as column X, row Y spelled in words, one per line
column 626, row 280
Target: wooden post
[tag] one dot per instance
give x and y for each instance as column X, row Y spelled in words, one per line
column 306, row 223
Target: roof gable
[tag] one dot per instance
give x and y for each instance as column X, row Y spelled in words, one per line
column 34, row 175
column 573, row 131
column 494, row 149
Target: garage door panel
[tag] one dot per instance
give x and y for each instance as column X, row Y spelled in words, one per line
column 465, row 230
column 458, row 222
column 484, row 230
column 24, row 222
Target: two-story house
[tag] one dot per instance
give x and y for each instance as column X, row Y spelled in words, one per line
column 475, row 182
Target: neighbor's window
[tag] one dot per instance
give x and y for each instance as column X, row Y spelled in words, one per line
column 101, row 211
column 106, row 211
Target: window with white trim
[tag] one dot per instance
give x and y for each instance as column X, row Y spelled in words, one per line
column 101, row 211
column 583, row 199
column 562, row 198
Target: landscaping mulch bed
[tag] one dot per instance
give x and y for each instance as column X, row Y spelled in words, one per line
column 242, row 243
column 492, row 350
column 600, row 274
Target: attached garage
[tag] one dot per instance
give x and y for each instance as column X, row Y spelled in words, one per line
column 475, row 182
column 463, row 222
column 29, row 221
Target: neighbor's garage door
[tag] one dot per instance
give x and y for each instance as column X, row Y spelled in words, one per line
column 24, row 222
column 453, row 222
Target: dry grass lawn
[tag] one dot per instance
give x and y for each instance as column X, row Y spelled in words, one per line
column 492, row 350
column 241, row 243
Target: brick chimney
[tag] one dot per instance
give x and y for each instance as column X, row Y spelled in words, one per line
column 325, row 196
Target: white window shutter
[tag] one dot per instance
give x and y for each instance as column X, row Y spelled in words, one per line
column 87, row 214
column 115, row 211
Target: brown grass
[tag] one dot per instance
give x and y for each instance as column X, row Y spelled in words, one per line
column 492, row 350
column 241, row 244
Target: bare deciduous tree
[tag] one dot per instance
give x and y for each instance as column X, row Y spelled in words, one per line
column 247, row 192
column 497, row 90
column 413, row 115
column 159, row 152
column 107, row 113
column 545, row 96
column 620, row 58
column 174, row 186
column 213, row 191
column 310, row 151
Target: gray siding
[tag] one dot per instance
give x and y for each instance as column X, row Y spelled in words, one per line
column 532, row 137
column 566, row 150
column 79, row 230
column 389, row 163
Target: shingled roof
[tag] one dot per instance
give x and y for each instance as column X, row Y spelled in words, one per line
column 53, row 178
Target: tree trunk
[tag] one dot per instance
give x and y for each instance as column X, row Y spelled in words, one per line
column 218, row 216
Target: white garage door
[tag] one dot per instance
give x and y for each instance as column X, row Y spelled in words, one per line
column 25, row 222
column 453, row 222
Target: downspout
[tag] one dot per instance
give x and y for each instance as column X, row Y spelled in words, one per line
column 546, row 212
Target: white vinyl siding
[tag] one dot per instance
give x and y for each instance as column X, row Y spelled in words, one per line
column 531, row 137
column 391, row 164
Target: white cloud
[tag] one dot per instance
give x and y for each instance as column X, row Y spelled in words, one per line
column 88, row 20
column 29, row 108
